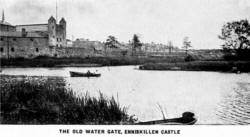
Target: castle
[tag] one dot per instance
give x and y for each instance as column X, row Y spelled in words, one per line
column 31, row 40
column 49, row 39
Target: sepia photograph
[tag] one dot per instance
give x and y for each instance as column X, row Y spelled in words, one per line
column 125, row 62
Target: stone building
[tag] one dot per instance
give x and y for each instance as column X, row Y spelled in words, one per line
column 23, row 44
column 31, row 40
column 56, row 32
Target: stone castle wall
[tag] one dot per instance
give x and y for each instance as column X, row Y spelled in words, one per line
column 25, row 47
column 73, row 52
column 116, row 52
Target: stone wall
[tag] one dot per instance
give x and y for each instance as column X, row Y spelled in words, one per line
column 27, row 47
column 24, row 47
column 88, row 44
column 73, row 52
column 116, row 52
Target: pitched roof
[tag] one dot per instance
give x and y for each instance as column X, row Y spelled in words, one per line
column 5, row 23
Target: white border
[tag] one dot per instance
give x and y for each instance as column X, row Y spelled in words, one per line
column 189, row 131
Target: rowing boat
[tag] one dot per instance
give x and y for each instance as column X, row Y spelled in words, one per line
column 80, row 74
column 186, row 119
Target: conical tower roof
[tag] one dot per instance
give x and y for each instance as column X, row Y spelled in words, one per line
column 3, row 22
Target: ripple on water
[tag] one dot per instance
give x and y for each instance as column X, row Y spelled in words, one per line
column 235, row 105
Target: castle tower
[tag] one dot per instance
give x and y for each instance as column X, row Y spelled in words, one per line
column 52, row 31
column 62, row 24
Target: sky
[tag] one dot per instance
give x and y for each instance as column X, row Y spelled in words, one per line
column 157, row 21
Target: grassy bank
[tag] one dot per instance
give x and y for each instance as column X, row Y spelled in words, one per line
column 225, row 66
column 102, row 61
column 46, row 100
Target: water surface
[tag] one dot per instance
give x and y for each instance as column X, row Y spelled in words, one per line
column 214, row 97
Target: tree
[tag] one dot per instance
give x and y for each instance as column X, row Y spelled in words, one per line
column 236, row 37
column 111, row 42
column 187, row 44
column 136, row 44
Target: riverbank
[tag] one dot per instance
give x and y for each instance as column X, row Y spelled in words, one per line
column 224, row 66
column 46, row 100
column 84, row 62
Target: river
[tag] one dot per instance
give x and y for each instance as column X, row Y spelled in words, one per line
column 214, row 97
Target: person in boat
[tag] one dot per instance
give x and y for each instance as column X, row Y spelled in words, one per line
column 88, row 72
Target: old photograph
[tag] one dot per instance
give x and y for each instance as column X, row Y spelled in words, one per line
column 125, row 62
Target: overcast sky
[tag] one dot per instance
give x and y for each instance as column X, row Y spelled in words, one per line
column 153, row 20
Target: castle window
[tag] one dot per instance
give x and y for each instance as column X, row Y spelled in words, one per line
column 14, row 39
column 12, row 49
column 37, row 50
column 60, row 45
column 57, row 39
column 1, row 39
column 31, row 39
column 1, row 49
column 56, row 45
